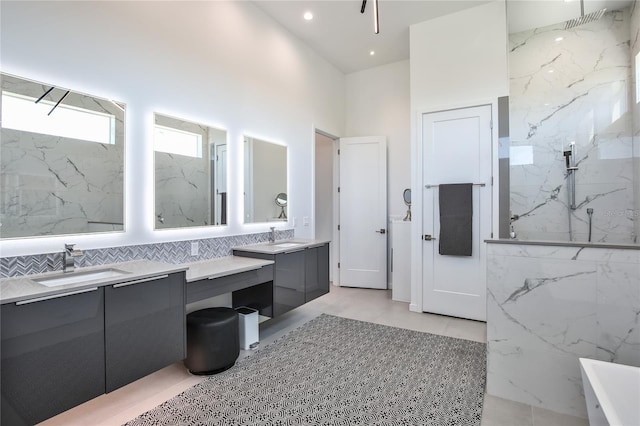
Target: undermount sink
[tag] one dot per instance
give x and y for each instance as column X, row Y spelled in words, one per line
column 79, row 277
column 288, row 244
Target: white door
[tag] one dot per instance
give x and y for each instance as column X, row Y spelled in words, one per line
column 363, row 212
column 456, row 149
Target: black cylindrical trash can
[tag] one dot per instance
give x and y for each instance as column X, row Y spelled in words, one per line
column 213, row 342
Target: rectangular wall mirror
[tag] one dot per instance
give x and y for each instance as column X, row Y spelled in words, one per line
column 265, row 181
column 190, row 174
column 62, row 161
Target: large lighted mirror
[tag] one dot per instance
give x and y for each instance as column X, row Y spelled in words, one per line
column 190, row 174
column 265, row 181
column 62, row 161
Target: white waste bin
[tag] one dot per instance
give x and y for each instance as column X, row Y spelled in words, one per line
column 249, row 337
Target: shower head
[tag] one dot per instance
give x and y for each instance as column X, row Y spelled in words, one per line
column 584, row 19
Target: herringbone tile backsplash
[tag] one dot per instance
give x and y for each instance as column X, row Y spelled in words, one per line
column 173, row 252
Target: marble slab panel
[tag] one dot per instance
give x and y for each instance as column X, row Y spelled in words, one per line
column 549, row 305
column 573, row 87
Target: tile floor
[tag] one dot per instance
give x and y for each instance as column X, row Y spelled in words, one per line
column 375, row 306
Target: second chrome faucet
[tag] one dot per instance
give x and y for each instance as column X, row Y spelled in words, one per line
column 68, row 257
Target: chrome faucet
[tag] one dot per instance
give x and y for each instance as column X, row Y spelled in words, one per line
column 272, row 236
column 68, row 257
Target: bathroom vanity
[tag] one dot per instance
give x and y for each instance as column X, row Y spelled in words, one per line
column 67, row 338
column 64, row 345
column 301, row 271
column 250, row 282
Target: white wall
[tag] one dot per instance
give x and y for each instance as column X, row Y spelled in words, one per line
column 224, row 64
column 457, row 60
column 378, row 105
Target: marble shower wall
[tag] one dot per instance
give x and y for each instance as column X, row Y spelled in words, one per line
column 55, row 185
column 549, row 305
column 573, row 86
column 182, row 190
column 182, row 183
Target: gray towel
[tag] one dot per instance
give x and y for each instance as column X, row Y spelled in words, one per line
column 456, row 213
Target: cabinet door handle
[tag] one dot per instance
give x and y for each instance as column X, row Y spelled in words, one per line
column 144, row 280
column 293, row 251
column 56, row 296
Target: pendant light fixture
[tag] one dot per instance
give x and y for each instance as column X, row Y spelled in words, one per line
column 376, row 24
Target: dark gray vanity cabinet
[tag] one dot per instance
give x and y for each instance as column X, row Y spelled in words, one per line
column 52, row 355
column 316, row 272
column 288, row 282
column 300, row 275
column 144, row 327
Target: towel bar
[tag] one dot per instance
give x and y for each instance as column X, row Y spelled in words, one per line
column 474, row 184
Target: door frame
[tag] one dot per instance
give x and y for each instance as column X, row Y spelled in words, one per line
column 417, row 174
column 335, row 242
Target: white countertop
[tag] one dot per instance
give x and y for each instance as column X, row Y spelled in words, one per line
column 282, row 246
column 17, row 289
column 25, row 287
column 223, row 266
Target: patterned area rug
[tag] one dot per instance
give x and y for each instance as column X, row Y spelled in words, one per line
column 337, row 371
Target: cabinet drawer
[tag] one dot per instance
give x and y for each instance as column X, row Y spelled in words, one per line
column 144, row 328
column 52, row 355
column 203, row 289
column 317, row 272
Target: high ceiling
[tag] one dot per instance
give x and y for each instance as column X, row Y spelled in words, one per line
column 345, row 37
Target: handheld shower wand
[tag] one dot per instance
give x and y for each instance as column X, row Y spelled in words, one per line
column 570, row 162
column 590, row 214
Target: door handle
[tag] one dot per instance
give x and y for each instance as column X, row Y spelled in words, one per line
column 382, row 231
column 428, row 237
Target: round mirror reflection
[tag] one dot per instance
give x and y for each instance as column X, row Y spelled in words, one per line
column 406, row 196
column 281, row 201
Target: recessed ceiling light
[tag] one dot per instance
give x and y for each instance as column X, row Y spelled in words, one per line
column 372, row 53
column 307, row 16
column 559, row 38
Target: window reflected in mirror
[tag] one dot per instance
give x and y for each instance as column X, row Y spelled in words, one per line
column 190, row 174
column 62, row 161
column 265, row 181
